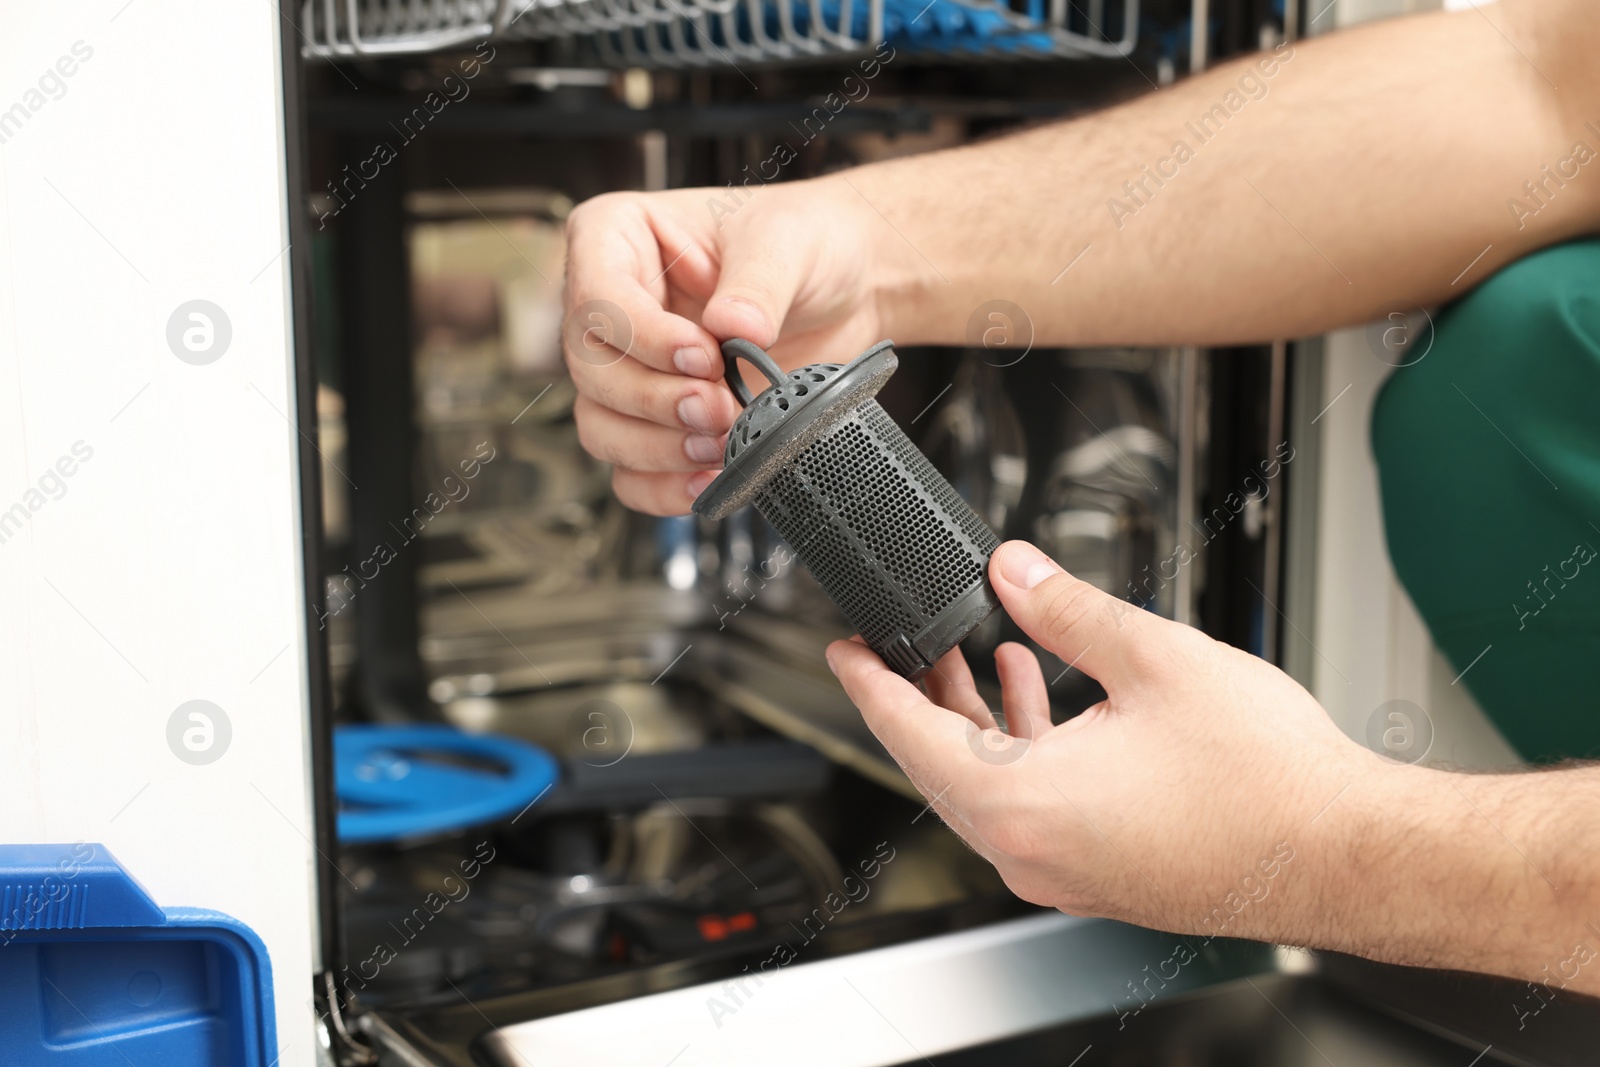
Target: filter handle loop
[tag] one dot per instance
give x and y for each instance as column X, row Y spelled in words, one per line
column 738, row 348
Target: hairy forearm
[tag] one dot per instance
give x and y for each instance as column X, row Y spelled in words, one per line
column 1270, row 197
column 1492, row 873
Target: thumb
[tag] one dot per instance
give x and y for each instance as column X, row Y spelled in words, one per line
column 1089, row 629
column 755, row 287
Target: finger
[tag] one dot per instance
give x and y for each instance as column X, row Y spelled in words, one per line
column 757, row 284
column 950, row 685
column 636, row 444
column 929, row 742
column 617, row 266
column 1102, row 636
column 658, row 492
column 1023, row 694
column 629, row 387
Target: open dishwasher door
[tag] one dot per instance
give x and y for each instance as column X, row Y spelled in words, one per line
column 909, row 1003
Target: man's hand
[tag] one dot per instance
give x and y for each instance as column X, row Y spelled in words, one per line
column 655, row 282
column 1341, row 177
column 1209, row 794
column 1152, row 806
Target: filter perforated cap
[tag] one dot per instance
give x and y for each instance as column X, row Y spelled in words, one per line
column 773, row 407
column 886, row 536
column 790, row 414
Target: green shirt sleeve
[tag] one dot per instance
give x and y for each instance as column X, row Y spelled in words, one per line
column 1488, row 453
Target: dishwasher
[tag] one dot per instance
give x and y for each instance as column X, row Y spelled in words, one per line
column 719, row 863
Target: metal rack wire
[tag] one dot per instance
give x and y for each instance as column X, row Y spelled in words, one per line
column 712, row 33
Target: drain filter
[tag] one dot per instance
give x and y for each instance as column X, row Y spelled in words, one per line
column 886, row 536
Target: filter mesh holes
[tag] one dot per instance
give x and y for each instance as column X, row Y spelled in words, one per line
column 923, row 551
column 898, row 527
column 925, row 474
column 872, row 607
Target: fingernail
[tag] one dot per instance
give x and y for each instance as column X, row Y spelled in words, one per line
column 695, row 414
column 753, row 308
column 699, row 480
column 1023, row 565
column 693, row 361
column 702, row 449
column 831, row 665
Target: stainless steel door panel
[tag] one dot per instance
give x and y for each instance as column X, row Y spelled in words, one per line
column 886, row 1006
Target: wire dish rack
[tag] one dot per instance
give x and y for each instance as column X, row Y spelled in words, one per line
column 727, row 33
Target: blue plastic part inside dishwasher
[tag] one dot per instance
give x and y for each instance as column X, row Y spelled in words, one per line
column 950, row 27
column 398, row 782
column 94, row 974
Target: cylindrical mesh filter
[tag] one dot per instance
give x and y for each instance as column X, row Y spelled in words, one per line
column 888, row 539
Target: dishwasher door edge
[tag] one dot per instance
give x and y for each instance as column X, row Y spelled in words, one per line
column 890, row 1005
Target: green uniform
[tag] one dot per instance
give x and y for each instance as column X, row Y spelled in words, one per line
column 1488, row 451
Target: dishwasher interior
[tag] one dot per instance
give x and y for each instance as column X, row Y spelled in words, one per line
column 718, row 798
